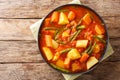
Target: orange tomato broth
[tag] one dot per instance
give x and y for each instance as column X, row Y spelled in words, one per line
column 89, row 30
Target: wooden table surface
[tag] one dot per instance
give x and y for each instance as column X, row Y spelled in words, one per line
column 19, row 57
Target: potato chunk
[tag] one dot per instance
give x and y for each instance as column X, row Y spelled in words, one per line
column 82, row 43
column 73, row 54
column 56, row 56
column 91, row 62
column 54, row 44
column 48, row 53
column 66, row 33
column 63, row 19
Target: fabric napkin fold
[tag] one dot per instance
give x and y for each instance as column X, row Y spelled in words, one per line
column 35, row 27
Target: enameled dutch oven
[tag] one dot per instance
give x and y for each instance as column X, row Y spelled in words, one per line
column 106, row 33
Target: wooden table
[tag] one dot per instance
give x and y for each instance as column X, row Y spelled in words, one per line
column 19, row 57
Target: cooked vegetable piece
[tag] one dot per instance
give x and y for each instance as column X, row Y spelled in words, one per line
column 48, row 40
column 73, row 23
column 48, row 53
column 76, row 66
column 88, row 35
column 73, row 29
column 60, row 63
column 63, row 19
column 55, row 17
column 81, row 27
column 66, row 33
column 61, row 42
column 47, row 22
column 82, row 43
column 73, row 54
column 96, row 48
column 50, row 28
column 80, row 21
column 71, row 16
column 73, row 37
column 100, row 36
column 59, row 31
column 56, row 33
column 89, row 47
column 87, row 19
column 99, row 29
column 85, row 54
column 59, row 68
column 67, row 63
column 91, row 62
column 84, row 57
column 56, row 56
column 54, row 44
column 90, row 51
column 65, row 50
column 100, row 39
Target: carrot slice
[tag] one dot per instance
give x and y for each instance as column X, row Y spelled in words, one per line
column 87, row 19
column 48, row 40
column 67, row 63
column 99, row 29
column 55, row 17
column 60, row 63
column 71, row 16
column 84, row 57
column 47, row 22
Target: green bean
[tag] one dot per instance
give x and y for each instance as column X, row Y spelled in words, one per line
column 58, row 31
column 81, row 27
column 59, row 68
column 65, row 50
column 61, row 42
column 50, row 28
column 90, row 51
column 79, row 22
column 56, row 34
column 73, row 37
column 100, row 39
column 89, row 47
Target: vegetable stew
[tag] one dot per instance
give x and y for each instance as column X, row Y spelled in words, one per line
column 72, row 39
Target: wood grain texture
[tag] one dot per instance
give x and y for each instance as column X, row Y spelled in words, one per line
column 41, row 71
column 19, row 51
column 19, row 55
column 29, row 71
column 18, row 29
column 27, row 51
column 105, row 71
column 39, row 8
